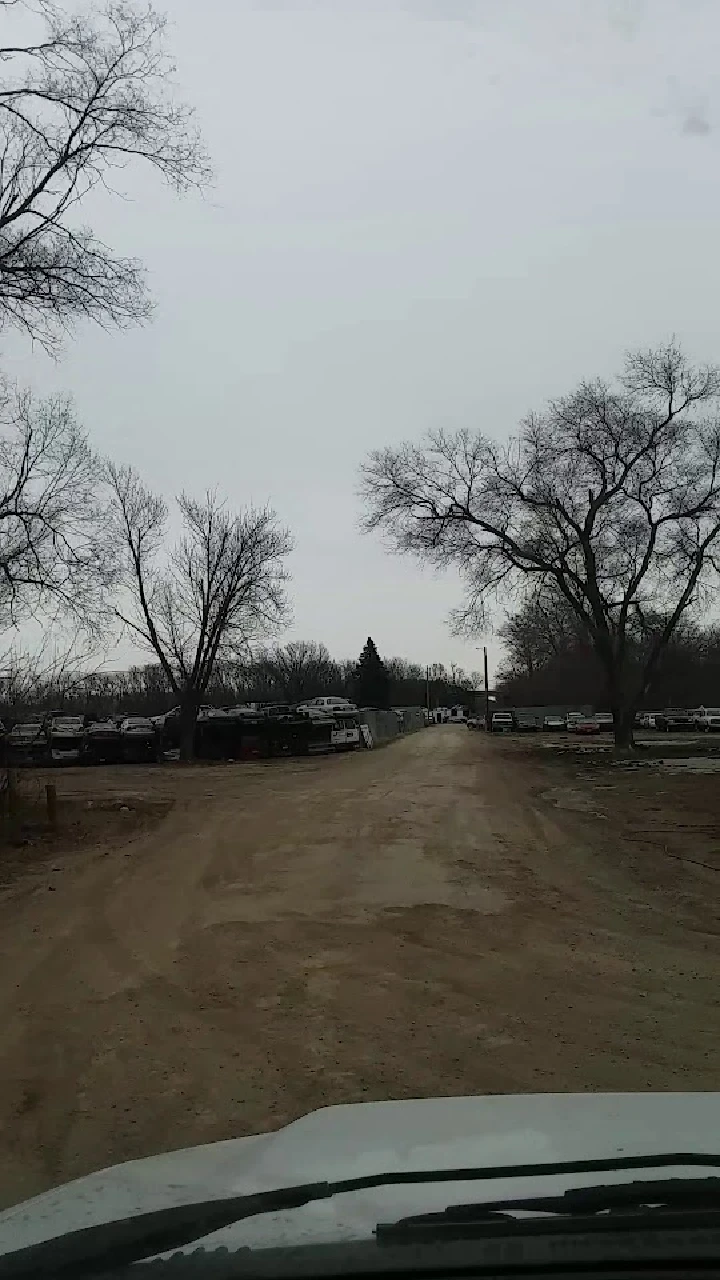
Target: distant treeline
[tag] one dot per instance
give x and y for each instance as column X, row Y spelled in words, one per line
column 285, row 673
column 544, row 670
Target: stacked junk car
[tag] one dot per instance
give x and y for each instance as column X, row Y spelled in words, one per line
column 257, row 731
column 250, row 731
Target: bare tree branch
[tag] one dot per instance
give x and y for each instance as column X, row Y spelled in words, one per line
column 55, row 558
column 91, row 93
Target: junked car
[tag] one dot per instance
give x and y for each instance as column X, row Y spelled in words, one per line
column 708, row 721
column 139, row 739
column 554, row 724
column 345, row 733
column 586, row 725
column 102, row 742
column 328, row 705
column 26, row 743
column 645, row 720
column 65, row 736
column 502, row 722
column 526, row 722
column 674, row 720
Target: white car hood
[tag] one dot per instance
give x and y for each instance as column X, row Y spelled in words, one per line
column 367, row 1138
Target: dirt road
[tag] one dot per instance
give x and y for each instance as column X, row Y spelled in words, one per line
column 422, row 919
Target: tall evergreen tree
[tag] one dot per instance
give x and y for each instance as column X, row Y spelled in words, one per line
column 371, row 683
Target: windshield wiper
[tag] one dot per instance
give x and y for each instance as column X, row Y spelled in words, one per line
column 628, row 1198
column 92, row 1250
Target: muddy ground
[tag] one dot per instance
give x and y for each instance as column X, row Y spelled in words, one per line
column 206, row 952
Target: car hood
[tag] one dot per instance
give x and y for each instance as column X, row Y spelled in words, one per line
column 356, row 1140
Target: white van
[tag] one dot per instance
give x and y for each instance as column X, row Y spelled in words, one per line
column 345, row 733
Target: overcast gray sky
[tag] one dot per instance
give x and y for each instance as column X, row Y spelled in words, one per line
column 429, row 212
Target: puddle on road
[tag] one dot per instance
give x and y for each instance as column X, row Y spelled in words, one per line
column 692, row 764
column 399, row 874
column 674, row 764
column 573, row 801
column 413, row 878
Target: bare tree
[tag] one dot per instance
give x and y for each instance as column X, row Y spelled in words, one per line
column 50, row 674
column 400, row 669
column 55, row 558
column 298, row 670
column 543, row 626
column 611, row 496
column 80, row 96
column 220, row 588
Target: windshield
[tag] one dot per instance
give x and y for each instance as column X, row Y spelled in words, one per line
column 359, row 497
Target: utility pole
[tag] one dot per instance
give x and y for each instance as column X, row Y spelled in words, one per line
column 487, row 689
column 427, row 687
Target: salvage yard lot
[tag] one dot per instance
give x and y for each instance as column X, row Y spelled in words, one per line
column 643, row 815
column 206, row 952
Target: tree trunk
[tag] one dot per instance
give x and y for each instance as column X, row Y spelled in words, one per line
column 623, row 721
column 622, row 704
column 188, row 721
column 623, row 726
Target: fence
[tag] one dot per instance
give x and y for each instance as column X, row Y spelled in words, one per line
column 386, row 725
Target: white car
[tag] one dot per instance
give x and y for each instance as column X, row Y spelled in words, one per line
column 66, row 738
column 137, row 726
column 708, row 720
column 328, row 706
column 371, row 1188
column 572, row 719
column 553, row 722
column 646, row 720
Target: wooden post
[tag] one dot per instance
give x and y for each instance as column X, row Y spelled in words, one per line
column 51, row 801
